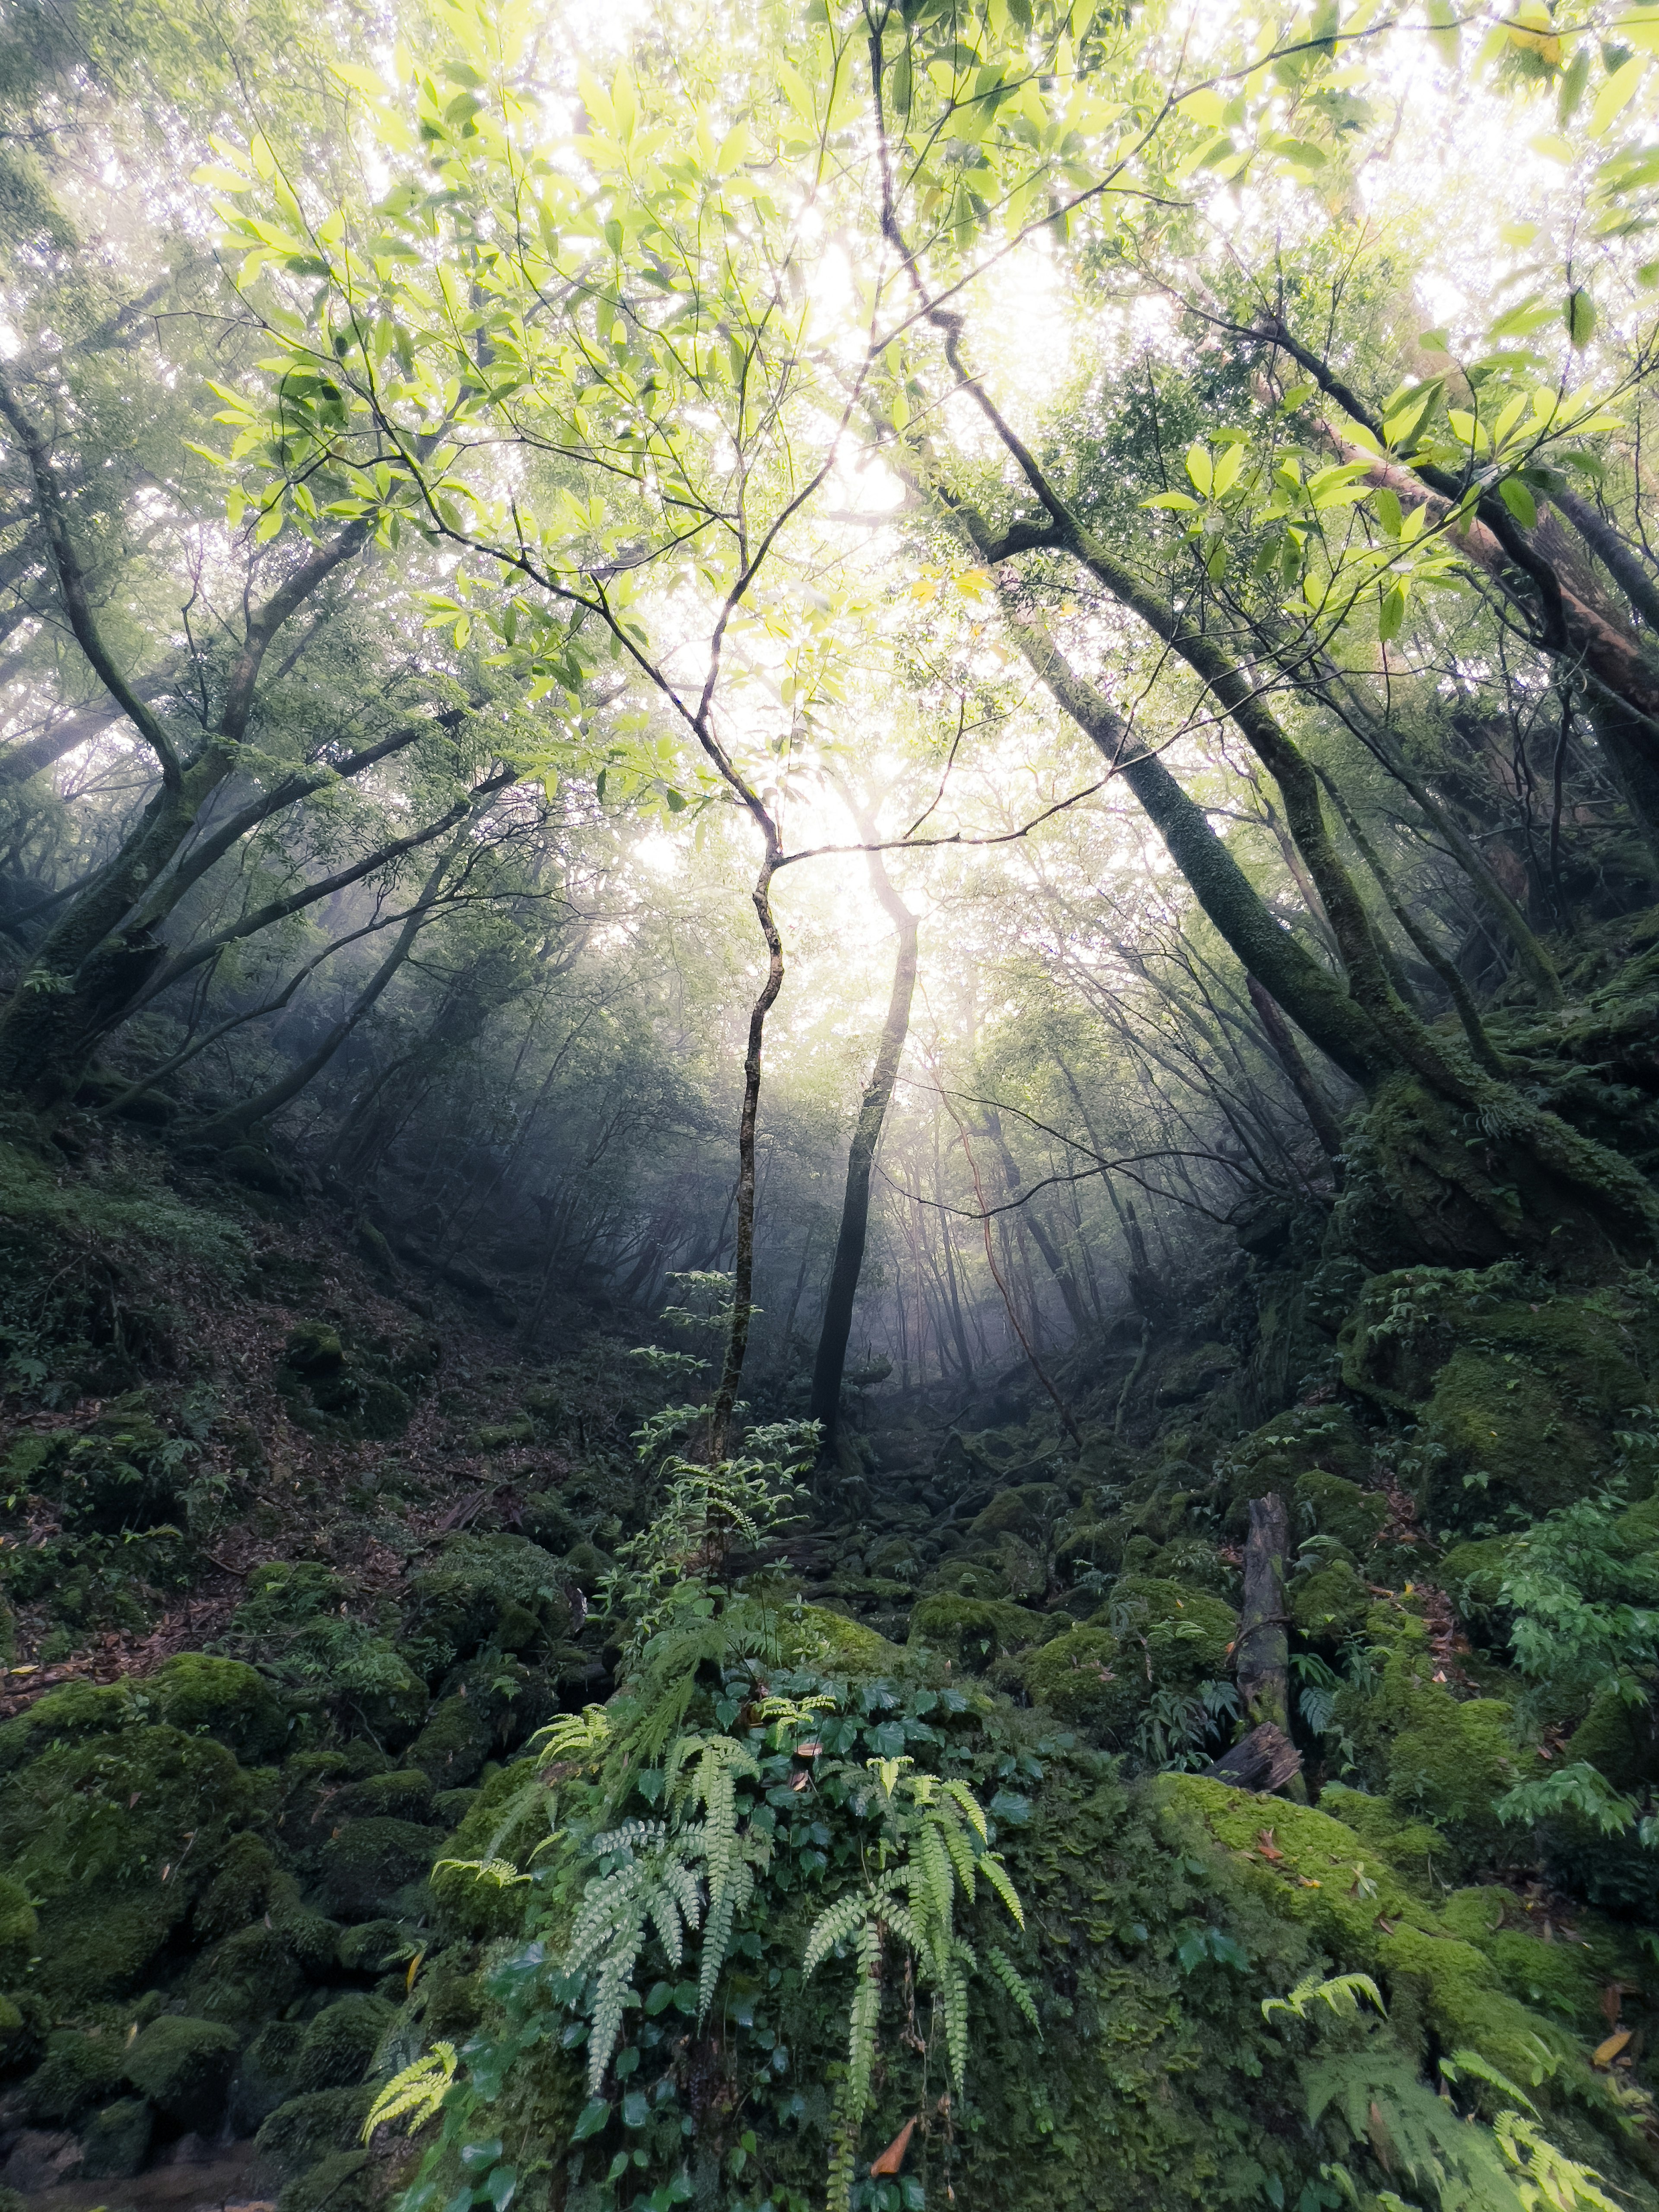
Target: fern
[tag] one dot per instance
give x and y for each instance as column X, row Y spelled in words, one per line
column 502, row 1873
column 729, row 1863
column 415, row 2095
column 1003, row 1967
column 1342, row 1993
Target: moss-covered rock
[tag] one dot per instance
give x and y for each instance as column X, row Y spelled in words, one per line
column 339, row 2044
column 1332, row 1506
column 305, row 2129
column 115, row 2141
column 263, row 2077
column 78, row 2072
column 816, row 1637
column 347, row 2181
column 373, row 1945
column 1330, row 1605
column 19, row 1932
column 244, row 1979
column 25, row 2024
column 453, row 1745
column 1618, row 1736
column 405, row 1794
column 224, row 1699
column 246, row 1883
column 369, row 1861
column 184, row 2066
column 505, row 1822
column 114, row 1835
column 78, row 1709
column 973, row 1631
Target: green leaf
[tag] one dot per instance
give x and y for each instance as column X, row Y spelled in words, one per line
column 1391, row 615
column 1579, row 315
column 1180, row 500
column 1616, row 94
column 593, row 2118
column 1519, row 501
column 1201, row 470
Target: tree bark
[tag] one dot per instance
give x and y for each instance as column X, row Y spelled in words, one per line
column 743, row 1271
column 849, row 1262
column 1262, row 1653
column 1299, row 1075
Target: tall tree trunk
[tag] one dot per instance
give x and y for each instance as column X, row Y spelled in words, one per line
column 743, row 1271
column 1053, row 1258
column 831, row 1362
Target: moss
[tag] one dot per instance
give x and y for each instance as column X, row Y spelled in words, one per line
column 78, row 2072
column 115, row 1835
column 115, row 2142
column 1025, row 1511
column 307, row 2127
column 224, row 1699
column 973, row 1631
column 349, row 2181
column 25, row 2023
column 970, row 1578
column 245, row 1882
column 373, row 1945
column 1079, row 1678
column 816, row 1636
column 1618, row 1737
column 19, row 1932
column 504, row 1821
column 453, row 1745
column 1322, row 1875
column 262, row 2080
column 1330, row 1605
column 244, row 1980
column 1558, row 1978
column 1187, row 1632
column 1335, row 1507
column 79, row 1709
column 1410, row 1847
column 403, row 1794
column 340, row 2043
column 1472, row 1575
column 184, row 2066
column 369, row 1861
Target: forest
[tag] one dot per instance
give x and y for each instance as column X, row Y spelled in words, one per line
column 829, row 1106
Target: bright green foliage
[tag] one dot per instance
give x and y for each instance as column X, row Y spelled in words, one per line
column 415, row 2095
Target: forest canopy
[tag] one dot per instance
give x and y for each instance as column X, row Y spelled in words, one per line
column 829, row 964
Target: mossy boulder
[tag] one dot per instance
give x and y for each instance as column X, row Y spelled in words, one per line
column 307, row 2127
column 244, row 1979
column 77, row 2073
column 506, row 1822
column 347, row 2181
column 372, row 1946
column 816, row 1636
column 114, row 1835
column 340, row 2043
column 1028, row 1510
column 974, row 1632
column 264, row 2077
column 1330, row 1505
column 184, row 2066
column 20, row 1932
column 405, row 1794
column 115, row 2141
column 1618, row 1737
column 25, row 2024
column 246, row 1883
column 78, row 1709
column 367, row 1863
column 1079, row 1678
column 453, row 1745
column 1472, row 1575
column 1150, row 1635
column 222, row 1697
column 1330, row 1605
column 1321, row 1874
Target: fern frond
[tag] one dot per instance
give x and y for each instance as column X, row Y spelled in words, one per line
column 416, row 2094
column 583, row 1737
column 1547, row 2180
column 864, row 2013
column 502, row 1872
column 1471, row 2061
column 955, row 1993
column 837, row 1923
column 932, row 1880
column 961, row 1794
column 1003, row 1967
column 997, row 1875
column 1341, row 1992
column 961, row 1852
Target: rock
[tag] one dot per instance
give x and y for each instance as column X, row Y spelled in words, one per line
column 453, row 1745
column 224, row 1699
column 115, row 2142
column 340, row 2043
column 405, row 1795
column 39, row 2160
column 78, row 2072
column 184, row 2066
column 375, row 1946
column 369, row 1861
column 307, row 2128
column 19, row 1932
column 265, row 2078
column 244, row 1979
column 350, row 2181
